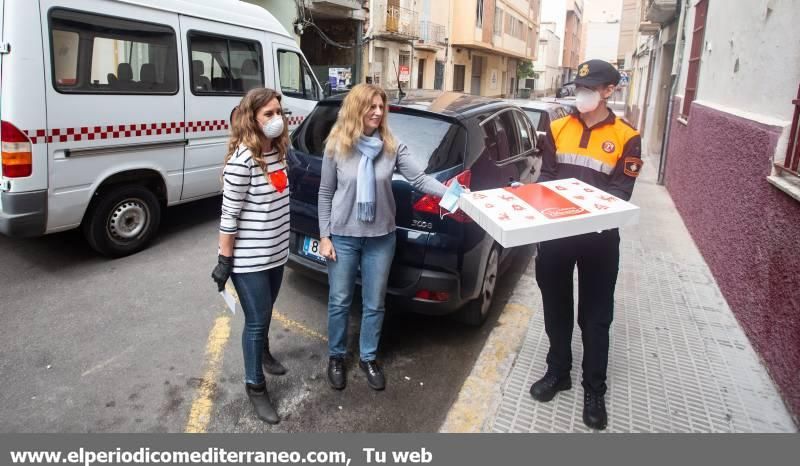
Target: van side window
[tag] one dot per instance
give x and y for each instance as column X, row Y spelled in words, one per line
column 99, row 54
column 296, row 79
column 224, row 65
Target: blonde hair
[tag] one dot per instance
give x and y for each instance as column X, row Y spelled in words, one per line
column 350, row 123
column 246, row 130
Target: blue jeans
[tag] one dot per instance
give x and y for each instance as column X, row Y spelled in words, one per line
column 374, row 257
column 257, row 294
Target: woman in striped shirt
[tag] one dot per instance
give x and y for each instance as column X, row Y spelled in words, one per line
column 254, row 231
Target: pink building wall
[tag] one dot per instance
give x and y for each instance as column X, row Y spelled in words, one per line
column 747, row 230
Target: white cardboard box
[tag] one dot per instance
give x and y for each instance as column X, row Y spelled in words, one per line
column 543, row 211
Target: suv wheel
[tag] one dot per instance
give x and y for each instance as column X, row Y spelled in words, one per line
column 477, row 310
column 122, row 220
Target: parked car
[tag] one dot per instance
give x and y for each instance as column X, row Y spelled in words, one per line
column 565, row 91
column 441, row 265
column 113, row 110
column 541, row 113
column 569, row 103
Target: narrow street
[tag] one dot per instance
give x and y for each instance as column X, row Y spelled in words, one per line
column 98, row 345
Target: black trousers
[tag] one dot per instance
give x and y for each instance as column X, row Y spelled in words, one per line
column 597, row 258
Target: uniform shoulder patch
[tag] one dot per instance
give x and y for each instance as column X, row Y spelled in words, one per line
column 633, row 166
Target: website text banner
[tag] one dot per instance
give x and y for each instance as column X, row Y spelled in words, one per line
column 396, row 449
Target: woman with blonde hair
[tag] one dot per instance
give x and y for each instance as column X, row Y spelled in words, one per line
column 357, row 222
column 254, row 231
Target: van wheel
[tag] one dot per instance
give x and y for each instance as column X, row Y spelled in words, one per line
column 477, row 310
column 122, row 220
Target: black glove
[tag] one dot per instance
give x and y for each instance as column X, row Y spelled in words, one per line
column 222, row 271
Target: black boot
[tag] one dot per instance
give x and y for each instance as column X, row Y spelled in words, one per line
column 594, row 410
column 261, row 404
column 270, row 364
column 375, row 378
column 337, row 377
column 546, row 388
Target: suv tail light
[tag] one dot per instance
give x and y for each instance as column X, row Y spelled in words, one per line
column 17, row 156
column 428, row 295
column 429, row 204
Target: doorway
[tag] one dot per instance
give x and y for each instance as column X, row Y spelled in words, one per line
column 477, row 74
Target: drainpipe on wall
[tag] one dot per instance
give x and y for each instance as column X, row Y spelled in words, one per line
column 677, row 62
column 359, row 53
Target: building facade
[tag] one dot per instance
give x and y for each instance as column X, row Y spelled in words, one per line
column 329, row 33
column 546, row 67
column 567, row 17
column 601, row 30
column 488, row 40
column 628, row 32
column 472, row 46
column 730, row 134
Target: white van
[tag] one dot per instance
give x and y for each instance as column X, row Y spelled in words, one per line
column 114, row 109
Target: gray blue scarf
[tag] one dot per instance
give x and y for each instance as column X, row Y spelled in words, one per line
column 369, row 148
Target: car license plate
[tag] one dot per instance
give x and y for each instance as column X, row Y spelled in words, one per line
column 311, row 249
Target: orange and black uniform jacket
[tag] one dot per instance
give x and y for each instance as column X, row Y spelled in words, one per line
column 608, row 155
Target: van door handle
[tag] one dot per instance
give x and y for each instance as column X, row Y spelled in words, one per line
column 286, row 111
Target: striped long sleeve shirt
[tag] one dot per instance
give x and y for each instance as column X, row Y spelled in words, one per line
column 255, row 212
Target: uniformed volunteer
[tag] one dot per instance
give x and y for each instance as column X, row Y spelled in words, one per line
column 596, row 147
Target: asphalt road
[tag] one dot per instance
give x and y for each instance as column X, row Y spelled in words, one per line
column 97, row 345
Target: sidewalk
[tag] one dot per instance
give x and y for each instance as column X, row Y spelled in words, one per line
column 678, row 362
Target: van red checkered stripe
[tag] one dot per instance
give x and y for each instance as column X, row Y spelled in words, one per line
column 93, row 133
column 212, row 125
column 295, row 120
column 100, row 132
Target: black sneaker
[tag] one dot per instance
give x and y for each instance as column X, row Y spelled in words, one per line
column 546, row 388
column 594, row 410
column 261, row 403
column 375, row 378
column 337, row 377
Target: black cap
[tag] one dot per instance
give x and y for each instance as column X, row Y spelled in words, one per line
column 595, row 73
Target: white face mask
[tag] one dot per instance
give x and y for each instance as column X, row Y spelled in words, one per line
column 274, row 127
column 586, row 100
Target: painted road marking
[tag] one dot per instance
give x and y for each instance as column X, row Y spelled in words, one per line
column 293, row 324
column 200, row 413
column 471, row 409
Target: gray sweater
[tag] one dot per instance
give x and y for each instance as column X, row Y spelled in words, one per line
column 337, row 193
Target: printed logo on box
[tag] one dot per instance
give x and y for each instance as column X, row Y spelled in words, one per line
column 547, row 201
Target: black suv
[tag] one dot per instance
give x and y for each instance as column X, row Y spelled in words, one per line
column 441, row 265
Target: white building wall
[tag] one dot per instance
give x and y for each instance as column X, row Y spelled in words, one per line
column 602, row 41
column 555, row 11
column 547, row 62
column 751, row 57
column 602, row 10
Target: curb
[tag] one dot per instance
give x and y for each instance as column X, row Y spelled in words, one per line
column 480, row 395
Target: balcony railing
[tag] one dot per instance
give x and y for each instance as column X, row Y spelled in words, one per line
column 432, row 34
column 399, row 22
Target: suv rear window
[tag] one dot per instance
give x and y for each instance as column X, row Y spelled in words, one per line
column 424, row 136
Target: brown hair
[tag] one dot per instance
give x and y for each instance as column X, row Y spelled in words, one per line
column 246, row 130
column 350, row 123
